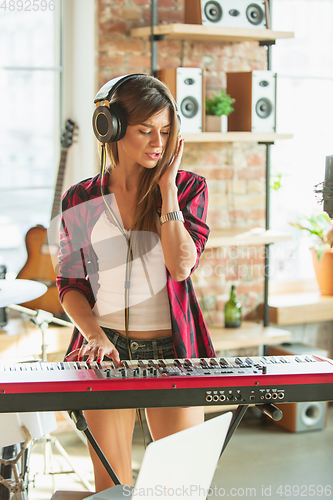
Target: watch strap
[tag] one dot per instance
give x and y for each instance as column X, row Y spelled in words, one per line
column 172, row 216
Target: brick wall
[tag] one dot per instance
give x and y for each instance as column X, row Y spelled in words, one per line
column 235, row 172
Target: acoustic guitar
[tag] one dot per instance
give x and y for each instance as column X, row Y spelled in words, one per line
column 42, row 246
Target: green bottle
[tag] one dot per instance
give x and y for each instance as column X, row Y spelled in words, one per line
column 233, row 311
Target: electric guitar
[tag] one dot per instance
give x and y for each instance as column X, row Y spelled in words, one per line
column 42, row 245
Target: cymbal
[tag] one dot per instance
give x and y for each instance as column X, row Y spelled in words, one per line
column 18, row 291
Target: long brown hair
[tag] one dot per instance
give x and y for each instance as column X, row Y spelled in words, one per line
column 139, row 99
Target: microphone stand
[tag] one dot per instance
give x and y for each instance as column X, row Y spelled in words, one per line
column 41, row 319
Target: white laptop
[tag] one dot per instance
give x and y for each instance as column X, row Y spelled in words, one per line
column 178, row 466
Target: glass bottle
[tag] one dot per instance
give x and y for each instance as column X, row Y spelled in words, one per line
column 233, row 310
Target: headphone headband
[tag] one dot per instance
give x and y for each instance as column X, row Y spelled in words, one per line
column 109, row 122
column 109, row 88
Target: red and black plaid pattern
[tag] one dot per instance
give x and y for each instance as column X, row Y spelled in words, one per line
column 78, row 267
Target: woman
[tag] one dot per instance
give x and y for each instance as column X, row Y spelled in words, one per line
column 142, row 198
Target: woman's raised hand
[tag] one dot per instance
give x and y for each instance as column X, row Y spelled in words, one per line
column 169, row 176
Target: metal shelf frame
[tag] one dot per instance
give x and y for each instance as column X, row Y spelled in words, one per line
column 154, row 39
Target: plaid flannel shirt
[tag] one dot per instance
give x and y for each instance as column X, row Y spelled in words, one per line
column 82, row 205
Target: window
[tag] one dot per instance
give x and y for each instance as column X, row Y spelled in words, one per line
column 305, row 109
column 29, row 101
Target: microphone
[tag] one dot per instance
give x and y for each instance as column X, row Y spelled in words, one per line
column 326, row 188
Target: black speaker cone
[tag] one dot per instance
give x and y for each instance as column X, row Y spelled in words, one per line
column 102, row 124
column 254, row 14
column 189, row 107
column 264, row 108
column 213, row 12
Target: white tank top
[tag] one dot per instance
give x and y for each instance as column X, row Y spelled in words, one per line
column 148, row 298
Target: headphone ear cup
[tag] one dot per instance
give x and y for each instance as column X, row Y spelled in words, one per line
column 179, row 122
column 117, row 112
column 105, row 125
column 109, row 123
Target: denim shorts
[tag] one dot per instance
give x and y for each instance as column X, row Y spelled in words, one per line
column 160, row 348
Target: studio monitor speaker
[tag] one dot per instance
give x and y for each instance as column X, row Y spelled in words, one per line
column 255, row 101
column 227, row 13
column 187, row 87
column 301, row 417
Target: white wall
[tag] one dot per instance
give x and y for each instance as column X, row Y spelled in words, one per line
column 79, row 85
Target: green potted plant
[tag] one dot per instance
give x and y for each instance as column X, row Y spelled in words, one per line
column 320, row 226
column 217, row 111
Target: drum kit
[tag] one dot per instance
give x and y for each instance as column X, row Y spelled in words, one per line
column 18, row 291
column 27, row 427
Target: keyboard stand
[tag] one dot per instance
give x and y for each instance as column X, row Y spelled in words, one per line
column 267, row 409
column 81, row 424
column 235, row 421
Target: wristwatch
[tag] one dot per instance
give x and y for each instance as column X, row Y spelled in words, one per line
column 172, row 216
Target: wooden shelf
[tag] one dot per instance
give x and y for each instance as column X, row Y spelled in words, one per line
column 250, row 334
column 201, row 33
column 297, row 308
column 236, row 237
column 236, row 137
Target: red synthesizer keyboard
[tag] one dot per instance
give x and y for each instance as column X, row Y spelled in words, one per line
column 41, row 386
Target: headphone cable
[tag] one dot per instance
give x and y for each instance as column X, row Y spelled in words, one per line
column 129, row 264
